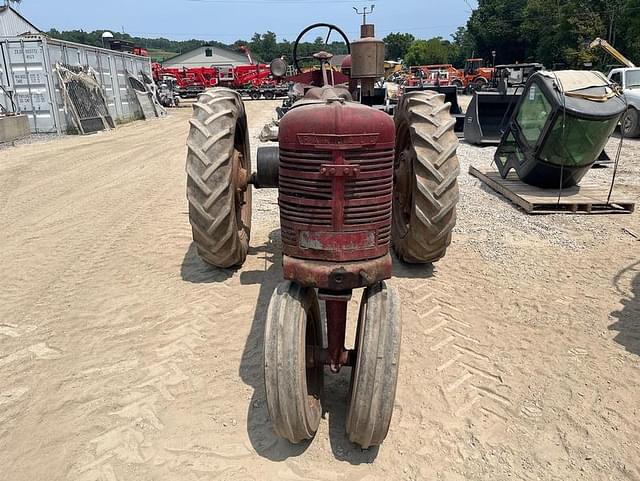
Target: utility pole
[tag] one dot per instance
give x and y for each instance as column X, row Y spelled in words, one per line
column 364, row 13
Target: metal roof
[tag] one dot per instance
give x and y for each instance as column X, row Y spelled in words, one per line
column 12, row 23
column 187, row 58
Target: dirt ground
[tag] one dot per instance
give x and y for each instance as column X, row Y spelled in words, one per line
column 123, row 357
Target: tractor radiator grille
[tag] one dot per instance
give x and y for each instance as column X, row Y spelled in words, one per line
column 307, row 197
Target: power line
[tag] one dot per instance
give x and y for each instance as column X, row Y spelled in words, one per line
column 294, row 34
column 278, row 2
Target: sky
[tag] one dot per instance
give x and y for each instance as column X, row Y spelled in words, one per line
column 230, row 20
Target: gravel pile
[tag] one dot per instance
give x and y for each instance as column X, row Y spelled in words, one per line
column 32, row 139
column 492, row 225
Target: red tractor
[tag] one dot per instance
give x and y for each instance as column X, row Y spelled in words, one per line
column 352, row 181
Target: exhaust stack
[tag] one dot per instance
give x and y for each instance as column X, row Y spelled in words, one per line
column 367, row 60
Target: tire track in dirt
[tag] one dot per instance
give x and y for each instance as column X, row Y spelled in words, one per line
column 462, row 383
column 140, row 408
column 467, row 378
column 76, row 266
column 89, row 257
column 82, row 239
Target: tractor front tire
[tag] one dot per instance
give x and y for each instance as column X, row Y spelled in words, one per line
column 374, row 377
column 425, row 178
column 218, row 166
column 292, row 333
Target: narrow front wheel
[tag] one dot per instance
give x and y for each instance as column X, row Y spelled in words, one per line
column 292, row 334
column 375, row 374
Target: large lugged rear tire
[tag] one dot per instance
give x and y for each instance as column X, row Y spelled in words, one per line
column 293, row 389
column 218, row 165
column 425, row 178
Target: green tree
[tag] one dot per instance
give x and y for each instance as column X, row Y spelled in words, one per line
column 580, row 22
column 495, row 25
column 626, row 31
column 429, row 52
column 397, row 45
column 264, row 46
column 463, row 47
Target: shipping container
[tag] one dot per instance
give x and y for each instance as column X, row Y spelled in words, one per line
column 27, row 74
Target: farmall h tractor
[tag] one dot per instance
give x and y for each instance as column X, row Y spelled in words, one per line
column 352, row 181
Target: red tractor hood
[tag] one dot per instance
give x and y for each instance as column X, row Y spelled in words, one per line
column 335, row 124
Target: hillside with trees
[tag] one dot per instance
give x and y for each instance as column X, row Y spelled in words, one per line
column 553, row 32
column 263, row 46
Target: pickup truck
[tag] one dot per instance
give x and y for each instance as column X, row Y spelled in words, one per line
column 629, row 80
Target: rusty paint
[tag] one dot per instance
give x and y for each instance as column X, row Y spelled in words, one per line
column 319, row 240
column 334, row 140
column 336, row 326
column 316, row 356
column 338, row 276
column 336, row 183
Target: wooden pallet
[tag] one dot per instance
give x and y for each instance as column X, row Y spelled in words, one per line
column 587, row 198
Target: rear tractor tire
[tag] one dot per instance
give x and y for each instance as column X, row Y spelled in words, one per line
column 218, row 166
column 425, row 178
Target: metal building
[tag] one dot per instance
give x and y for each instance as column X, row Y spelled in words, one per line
column 13, row 24
column 29, row 83
column 206, row 56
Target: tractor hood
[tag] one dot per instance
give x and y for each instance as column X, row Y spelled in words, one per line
column 335, row 124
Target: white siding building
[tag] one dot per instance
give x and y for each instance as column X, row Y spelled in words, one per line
column 206, row 56
column 12, row 24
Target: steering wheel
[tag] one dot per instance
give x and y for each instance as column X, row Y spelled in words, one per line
column 330, row 28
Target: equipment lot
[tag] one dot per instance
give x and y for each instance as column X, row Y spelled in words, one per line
column 122, row 356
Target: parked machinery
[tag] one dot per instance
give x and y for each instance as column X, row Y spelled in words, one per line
column 474, row 76
column 559, row 127
column 352, row 181
column 166, row 92
column 492, row 106
column 628, row 78
column 254, row 81
column 434, row 78
column 186, row 82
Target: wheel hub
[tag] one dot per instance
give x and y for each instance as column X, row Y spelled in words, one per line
column 240, row 178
